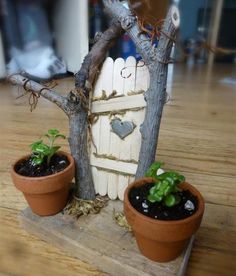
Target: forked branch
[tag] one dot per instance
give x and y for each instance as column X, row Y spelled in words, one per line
column 129, row 23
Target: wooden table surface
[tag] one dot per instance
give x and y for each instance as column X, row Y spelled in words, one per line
column 197, row 138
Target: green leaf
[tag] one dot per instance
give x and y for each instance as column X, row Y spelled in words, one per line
column 153, row 190
column 61, row 136
column 154, row 198
column 53, row 132
column 159, row 193
column 164, row 184
column 158, row 185
column 167, row 190
column 181, row 178
column 170, row 180
column 152, row 170
column 37, row 160
column 35, row 144
column 42, row 148
column 170, row 200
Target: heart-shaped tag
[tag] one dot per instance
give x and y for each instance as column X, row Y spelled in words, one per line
column 122, row 128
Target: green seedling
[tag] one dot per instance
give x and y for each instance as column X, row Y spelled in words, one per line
column 42, row 151
column 166, row 185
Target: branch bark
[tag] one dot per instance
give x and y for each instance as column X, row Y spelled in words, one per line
column 157, row 61
column 78, row 118
column 130, row 24
column 156, row 94
column 75, row 105
column 94, row 59
column 40, row 90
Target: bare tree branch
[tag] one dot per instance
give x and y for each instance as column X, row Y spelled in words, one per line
column 78, row 120
column 94, row 59
column 156, row 94
column 40, row 90
column 129, row 23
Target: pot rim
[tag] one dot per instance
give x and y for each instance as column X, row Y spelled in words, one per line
column 199, row 212
column 35, row 178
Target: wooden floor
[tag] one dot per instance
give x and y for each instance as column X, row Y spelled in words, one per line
column 197, row 138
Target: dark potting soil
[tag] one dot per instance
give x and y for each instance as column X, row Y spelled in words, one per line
column 185, row 208
column 27, row 168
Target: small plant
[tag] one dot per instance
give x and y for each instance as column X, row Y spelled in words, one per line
column 42, row 151
column 166, row 185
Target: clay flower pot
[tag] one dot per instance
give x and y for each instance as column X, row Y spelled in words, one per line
column 46, row 195
column 159, row 240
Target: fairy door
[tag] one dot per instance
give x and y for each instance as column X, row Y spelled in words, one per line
column 119, row 108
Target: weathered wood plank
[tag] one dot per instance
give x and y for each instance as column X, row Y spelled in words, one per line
column 129, row 74
column 122, row 184
column 112, row 190
column 118, row 80
column 105, row 79
column 104, row 139
column 101, row 242
column 142, row 77
column 118, row 166
column 126, row 143
column 120, row 103
column 95, row 179
column 102, row 182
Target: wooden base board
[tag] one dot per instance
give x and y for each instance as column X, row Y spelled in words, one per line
column 99, row 241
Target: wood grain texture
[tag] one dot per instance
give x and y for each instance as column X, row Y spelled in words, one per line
column 127, row 82
column 197, row 138
column 101, row 242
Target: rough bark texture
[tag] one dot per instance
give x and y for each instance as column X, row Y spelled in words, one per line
column 79, row 101
column 78, row 146
column 157, row 61
column 156, row 96
column 93, row 61
column 75, row 105
column 39, row 89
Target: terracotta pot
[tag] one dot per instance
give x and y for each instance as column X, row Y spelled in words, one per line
column 46, row 195
column 159, row 240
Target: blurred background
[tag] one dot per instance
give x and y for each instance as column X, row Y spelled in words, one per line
column 50, row 38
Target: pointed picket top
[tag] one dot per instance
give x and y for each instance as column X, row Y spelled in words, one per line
column 105, row 79
column 114, row 160
column 128, row 74
column 118, row 80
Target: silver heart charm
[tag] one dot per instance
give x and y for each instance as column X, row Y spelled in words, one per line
column 122, row 128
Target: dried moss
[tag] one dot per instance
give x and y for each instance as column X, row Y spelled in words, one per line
column 132, row 93
column 120, row 220
column 80, row 207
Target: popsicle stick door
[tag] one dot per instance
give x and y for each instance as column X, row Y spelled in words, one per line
column 119, row 106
